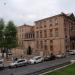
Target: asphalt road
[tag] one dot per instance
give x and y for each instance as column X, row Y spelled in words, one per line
column 34, row 68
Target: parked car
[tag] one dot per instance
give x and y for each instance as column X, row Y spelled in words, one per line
column 52, row 57
column 48, row 58
column 36, row 59
column 1, row 64
column 60, row 55
column 19, row 62
column 71, row 52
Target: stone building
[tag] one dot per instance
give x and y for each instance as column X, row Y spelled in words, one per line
column 54, row 34
column 25, row 34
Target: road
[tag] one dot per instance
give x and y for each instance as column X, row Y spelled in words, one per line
column 34, row 68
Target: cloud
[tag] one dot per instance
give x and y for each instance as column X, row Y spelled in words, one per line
column 28, row 11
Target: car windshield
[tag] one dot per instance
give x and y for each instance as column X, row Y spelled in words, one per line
column 21, row 61
column 35, row 58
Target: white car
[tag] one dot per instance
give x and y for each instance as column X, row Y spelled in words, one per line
column 19, row 62
column 1, row 64
column 60, row 55
column 71, row 52
column 36, row 59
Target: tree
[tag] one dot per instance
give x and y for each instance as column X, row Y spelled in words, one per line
column 10, row 36
column 2, row 36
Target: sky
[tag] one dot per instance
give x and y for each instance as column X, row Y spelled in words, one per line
column 29, row 11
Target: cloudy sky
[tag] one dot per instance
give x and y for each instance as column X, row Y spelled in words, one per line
column 28, row 11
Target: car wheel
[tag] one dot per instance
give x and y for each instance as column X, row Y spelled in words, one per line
column 16, row 66
column 10, row 67
column 25, row 64
column 1, row 68
column 34, row 62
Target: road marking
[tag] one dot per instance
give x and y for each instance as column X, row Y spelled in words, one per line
column 56, row 69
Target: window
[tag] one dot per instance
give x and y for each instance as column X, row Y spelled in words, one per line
column 51, row 48
column 40, row 34
column 33, row 35
column 37, row 44
column 51, row 45
column 44, row 25
column 41, row 26
column 45, row 46
column 56, row 24
column 37, row 34
column 41, row 44
column 56, row 32
column 44, row 22
column 36, row 27
column 22, row 43
column 51, row 41
column 29, row 35
column 51, row 33
column 50, row 24
column 45, row 33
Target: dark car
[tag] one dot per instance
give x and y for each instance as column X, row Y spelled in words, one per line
column 1, row 64
column 63, row 55
column 48, row 58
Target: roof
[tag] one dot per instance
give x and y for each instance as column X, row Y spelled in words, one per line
column 61, row 14
column 25, row 25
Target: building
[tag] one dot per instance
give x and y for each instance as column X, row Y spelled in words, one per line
column 21, row 31
column 29, row 42
column 25, row 34
column 55, row 34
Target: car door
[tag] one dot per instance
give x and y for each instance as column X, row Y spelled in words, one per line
column 20, row 62
column 38, row 59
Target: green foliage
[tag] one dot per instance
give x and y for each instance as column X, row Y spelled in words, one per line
column 1, row 32
column 8, row 38
column 10, row 35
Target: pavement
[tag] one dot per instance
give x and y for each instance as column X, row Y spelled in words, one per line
column 26, row 70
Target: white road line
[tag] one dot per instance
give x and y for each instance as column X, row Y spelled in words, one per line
column 55, row 69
